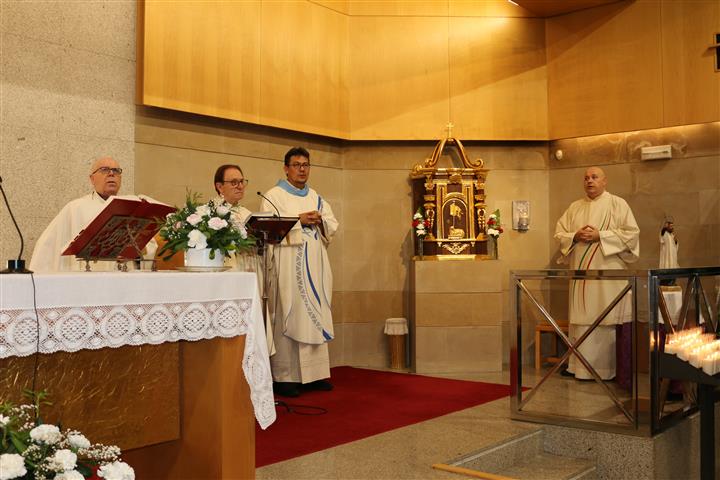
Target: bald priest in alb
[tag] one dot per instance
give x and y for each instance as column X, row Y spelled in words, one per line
column 597, row 232
column 106, row 179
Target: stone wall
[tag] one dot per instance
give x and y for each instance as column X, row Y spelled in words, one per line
column 67, row 86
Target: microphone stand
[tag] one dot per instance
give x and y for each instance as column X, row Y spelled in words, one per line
column 263, row 247
column 14, row 266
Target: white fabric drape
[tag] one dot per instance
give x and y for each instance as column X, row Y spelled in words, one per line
column 302, row 316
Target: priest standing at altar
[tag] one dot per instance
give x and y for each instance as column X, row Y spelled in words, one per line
column 302, row 321
column 106, row 179
column 597, row 232
column 230, row 183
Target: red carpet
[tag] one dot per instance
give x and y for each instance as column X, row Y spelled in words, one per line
column 365, row 403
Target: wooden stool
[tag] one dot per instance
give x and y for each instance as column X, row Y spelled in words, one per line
column 546, row 327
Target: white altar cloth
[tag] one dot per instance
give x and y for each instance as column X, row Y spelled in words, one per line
column 110, row 309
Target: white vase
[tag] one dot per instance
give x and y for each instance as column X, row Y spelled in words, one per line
column 201, row 258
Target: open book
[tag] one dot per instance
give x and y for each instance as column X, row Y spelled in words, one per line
column 120, row 230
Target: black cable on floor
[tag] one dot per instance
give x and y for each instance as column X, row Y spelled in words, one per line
column 292, row 408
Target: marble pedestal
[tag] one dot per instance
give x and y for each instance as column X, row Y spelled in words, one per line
column 458, row 308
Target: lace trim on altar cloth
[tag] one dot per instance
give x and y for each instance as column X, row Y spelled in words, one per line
column 69, row 329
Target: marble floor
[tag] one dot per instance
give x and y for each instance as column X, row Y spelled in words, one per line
column 409, row 452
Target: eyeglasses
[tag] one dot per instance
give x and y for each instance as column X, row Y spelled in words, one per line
column 237, row 183
column 299, row 166
column 108, row 170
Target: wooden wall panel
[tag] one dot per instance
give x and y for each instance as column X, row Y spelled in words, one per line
column 340, row 6
column 203, row 57
column 604, row 70
column 304, row 68
column 498, row 79
column 691, row 86
column 403, row 8
column 399, row 77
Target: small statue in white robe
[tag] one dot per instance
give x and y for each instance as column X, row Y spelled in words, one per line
column 597, row 232
column 668, row 246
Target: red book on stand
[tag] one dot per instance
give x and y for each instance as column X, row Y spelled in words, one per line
column 120, row 230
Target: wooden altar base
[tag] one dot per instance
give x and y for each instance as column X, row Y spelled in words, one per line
column 217, row 423
column 178, row 410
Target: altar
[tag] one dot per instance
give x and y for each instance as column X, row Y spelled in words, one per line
column 171, row 367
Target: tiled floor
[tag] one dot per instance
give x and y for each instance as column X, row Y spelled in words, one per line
column 409, row 452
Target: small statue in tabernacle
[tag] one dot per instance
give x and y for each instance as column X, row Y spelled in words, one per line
column 456, row 215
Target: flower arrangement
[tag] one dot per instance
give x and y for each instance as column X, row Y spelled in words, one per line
column 494, row 227
column 32, row 450
column 420, row 223
column 211, row 225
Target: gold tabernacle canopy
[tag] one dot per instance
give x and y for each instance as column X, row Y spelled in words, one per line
column 452, row 201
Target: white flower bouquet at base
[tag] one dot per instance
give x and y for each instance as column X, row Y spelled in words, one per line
column 199, row 226
column 32, row 450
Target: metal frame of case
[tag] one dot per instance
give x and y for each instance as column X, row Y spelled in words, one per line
column 645, row 288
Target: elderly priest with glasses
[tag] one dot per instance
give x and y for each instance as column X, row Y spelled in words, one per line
column 105, row 178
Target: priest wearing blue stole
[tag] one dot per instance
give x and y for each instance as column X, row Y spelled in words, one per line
column 302, row 321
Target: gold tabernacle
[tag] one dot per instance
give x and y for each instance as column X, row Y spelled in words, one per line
column 452, row 202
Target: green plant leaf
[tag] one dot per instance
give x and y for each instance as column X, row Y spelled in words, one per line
column 85, row 470
column 19, row 445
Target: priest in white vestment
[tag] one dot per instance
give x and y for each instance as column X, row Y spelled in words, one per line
column 230, row 183
column 597, row 232
column 302, row 318
column 106, row 179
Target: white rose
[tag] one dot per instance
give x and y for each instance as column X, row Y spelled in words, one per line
column 70, row 475
column 78, row 440
column 4, row 420
column 217, row 223
column 493, row 232
column 197, row 239
column 12, row 465
column 193, row 219
column 243, row 231
column 417, row 216
column 116, row 471
column 63, row 460
column 49, row 434
column 222, row 210
column 203, row 210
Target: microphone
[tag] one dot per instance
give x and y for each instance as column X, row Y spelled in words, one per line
column 14, row 266
column 271, row 203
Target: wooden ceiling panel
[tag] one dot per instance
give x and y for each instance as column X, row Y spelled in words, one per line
column 551, row 8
